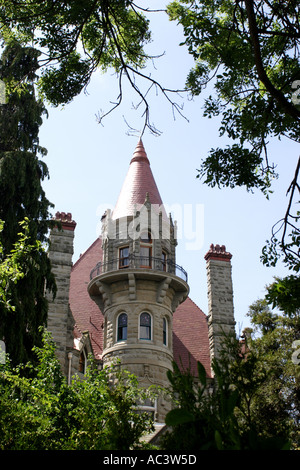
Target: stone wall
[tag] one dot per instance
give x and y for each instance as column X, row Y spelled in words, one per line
column 146, row 283
column 220, row 297
column 134, row 292
column 60, row 319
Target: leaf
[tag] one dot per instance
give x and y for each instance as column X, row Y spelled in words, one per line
column 201, row 373
column 179, row 416
column 232, row 401
column 218, row 439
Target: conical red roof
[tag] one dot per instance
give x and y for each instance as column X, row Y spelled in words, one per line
column 138, row 182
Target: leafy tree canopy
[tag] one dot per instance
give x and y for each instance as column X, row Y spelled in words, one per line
column 78, row 37
column 23, row 198
column 16, row 264
column 249, row 51
column 40, row 411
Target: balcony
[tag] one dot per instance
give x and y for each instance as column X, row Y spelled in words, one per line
column 139, row 262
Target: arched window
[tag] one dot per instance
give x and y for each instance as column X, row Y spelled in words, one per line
column 122, row 327
column 145, row 326
column 165, row 332
column 146, row 250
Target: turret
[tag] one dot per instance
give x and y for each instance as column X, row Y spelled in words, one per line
column 138, row 285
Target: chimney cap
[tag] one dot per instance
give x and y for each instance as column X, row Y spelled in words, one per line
column 218, row 252
column 65, row 218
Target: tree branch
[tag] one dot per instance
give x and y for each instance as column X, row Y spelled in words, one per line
column 294, row 184
column 277, row 94
column 285, row 221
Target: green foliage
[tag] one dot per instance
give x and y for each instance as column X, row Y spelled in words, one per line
column 21, row 116
column 108, row 34
column 201, row 420
column 237, row 411
column 284, row 293
column 39, row 411
column 23, row 198
column 16, row 264
column 287, row 248
column 60, row 84
column 231, row 167
column 277, row 334
column 253, row 94
column 107, row 406
column 249, row 52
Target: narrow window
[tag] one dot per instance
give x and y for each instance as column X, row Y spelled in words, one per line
column 122, row 327
column 124, row 257
column 146, row 237
column 164, row 261
column 165, row 332
column 82, row 362
column 146, row 250
column 105, row 332
column 145, row 326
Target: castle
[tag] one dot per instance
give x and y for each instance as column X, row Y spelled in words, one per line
column 126, row 297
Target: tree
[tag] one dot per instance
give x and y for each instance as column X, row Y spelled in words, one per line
column 284, row 294
column 22, row 197
column 77, row 38
column 254, row 400
column 277, row 335
column 236, row 412
column 40, row 411
column 249, row 50
column 15, row 265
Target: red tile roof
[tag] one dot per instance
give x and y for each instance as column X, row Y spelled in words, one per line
column 190, row 331
column 86, row 313
column 190, row 337
column 138, row 182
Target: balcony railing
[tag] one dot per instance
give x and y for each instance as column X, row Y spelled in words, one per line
column 139, row 262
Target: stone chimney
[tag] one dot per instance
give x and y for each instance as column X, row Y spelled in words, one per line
column 220, row 297
column 60, row 319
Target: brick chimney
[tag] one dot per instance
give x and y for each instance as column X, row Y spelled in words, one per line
column 220, row 297
column 60, row 319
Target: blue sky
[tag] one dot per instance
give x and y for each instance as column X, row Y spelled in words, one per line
column 88, row 163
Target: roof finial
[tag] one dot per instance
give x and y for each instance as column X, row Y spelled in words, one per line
column 139, row 154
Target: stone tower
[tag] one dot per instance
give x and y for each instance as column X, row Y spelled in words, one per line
column 60, row 320
column 137, row 285
column 220, row 297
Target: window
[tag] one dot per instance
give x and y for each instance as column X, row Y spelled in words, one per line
column 146, row 250
column 124, row 257
column 165, row 332
column 145, row 253
column 122, row 327
column 105, row 333
column 146, row 237
column 164, row 261
column 145, row 326
column 82, row 362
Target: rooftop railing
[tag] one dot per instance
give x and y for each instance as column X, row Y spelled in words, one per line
column 139, row 262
